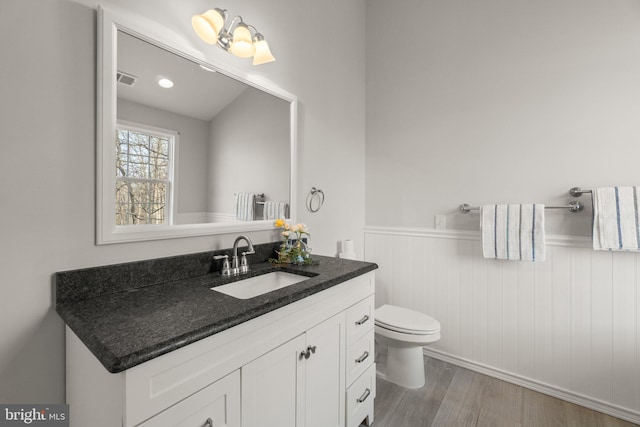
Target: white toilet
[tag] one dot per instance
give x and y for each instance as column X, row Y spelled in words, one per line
column 405, row 332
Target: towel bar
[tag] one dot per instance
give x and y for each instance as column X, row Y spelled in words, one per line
column 577, row 191
column 260, row 203
column 260, row 196
column 573, row 207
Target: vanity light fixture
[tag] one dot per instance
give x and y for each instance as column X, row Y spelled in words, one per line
column 235, row 38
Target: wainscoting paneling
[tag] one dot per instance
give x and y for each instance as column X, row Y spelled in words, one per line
column 568, row 326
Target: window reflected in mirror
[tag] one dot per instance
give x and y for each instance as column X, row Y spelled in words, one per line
column 144, row 175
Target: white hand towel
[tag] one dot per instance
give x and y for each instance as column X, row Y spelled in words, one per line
column 616, row 222
column 245, row 204
column 514, row 232
column 275, row 210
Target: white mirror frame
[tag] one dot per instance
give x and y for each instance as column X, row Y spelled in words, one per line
column 106, row 230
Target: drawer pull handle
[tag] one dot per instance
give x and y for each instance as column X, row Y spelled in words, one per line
column 363, row 320
column 364, row 396
column 363, row 357
column 208, row 423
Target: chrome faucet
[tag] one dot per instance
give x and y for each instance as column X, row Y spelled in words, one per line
column 244, row 265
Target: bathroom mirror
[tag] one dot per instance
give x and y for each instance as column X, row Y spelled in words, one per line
column 180, row 161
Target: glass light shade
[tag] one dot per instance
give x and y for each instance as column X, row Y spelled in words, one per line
column 208, row 25
column 242, row 45
column 263, row 54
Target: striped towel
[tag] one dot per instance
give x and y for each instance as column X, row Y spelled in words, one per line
column 514, row 232
column 245, row 204
column 275, row 210
column 616, row 222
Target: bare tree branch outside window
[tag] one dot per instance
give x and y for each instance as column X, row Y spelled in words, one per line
column 142, row 177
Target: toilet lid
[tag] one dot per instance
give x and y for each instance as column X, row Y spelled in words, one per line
column 404, row 320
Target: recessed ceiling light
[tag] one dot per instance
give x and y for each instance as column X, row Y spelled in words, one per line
column 165, row 83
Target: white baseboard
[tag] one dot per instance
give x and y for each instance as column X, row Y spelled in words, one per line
column 578, row 399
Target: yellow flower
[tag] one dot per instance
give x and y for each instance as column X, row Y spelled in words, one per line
column 279, row 223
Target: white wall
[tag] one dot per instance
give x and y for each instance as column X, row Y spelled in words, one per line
column 497, row 101
column 47, row 117
column 250, row 150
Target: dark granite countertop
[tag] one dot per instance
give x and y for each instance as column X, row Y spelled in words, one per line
column 131, row 313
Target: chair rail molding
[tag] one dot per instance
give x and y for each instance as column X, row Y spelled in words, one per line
column 550, row 239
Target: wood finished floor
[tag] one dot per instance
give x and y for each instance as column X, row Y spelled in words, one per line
column 455, row 396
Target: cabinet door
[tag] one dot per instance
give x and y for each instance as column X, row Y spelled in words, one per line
column 272, row 387
column 217, row 405
column 325, row 373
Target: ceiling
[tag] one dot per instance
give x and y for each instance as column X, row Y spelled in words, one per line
column 196, row 92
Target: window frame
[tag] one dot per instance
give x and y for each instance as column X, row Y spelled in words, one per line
column 171, row 200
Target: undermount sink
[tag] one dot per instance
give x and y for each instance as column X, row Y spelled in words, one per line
column 258, row 285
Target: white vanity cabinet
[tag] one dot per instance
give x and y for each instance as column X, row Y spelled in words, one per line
column 249, row 375
column 300, row 383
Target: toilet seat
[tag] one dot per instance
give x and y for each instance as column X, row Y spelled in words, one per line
column 403, row 320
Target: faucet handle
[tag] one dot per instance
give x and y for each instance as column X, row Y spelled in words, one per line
column 226, row 268
column 244, row 264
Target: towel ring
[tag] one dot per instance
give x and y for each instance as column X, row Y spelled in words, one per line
column 315, row 197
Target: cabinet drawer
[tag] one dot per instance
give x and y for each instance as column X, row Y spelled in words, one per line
column 360, row 397
column 360, row 356
column 360, row 319
column 218, row 402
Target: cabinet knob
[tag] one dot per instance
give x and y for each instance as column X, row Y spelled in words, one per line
column 208, row 423
column 305, row 354
column 363, row 320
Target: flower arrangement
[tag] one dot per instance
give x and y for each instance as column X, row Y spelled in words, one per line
column 293, row 249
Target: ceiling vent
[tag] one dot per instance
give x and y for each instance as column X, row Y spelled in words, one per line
column 126, row 79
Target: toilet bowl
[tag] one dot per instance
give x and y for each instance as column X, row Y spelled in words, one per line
column 404, row 332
